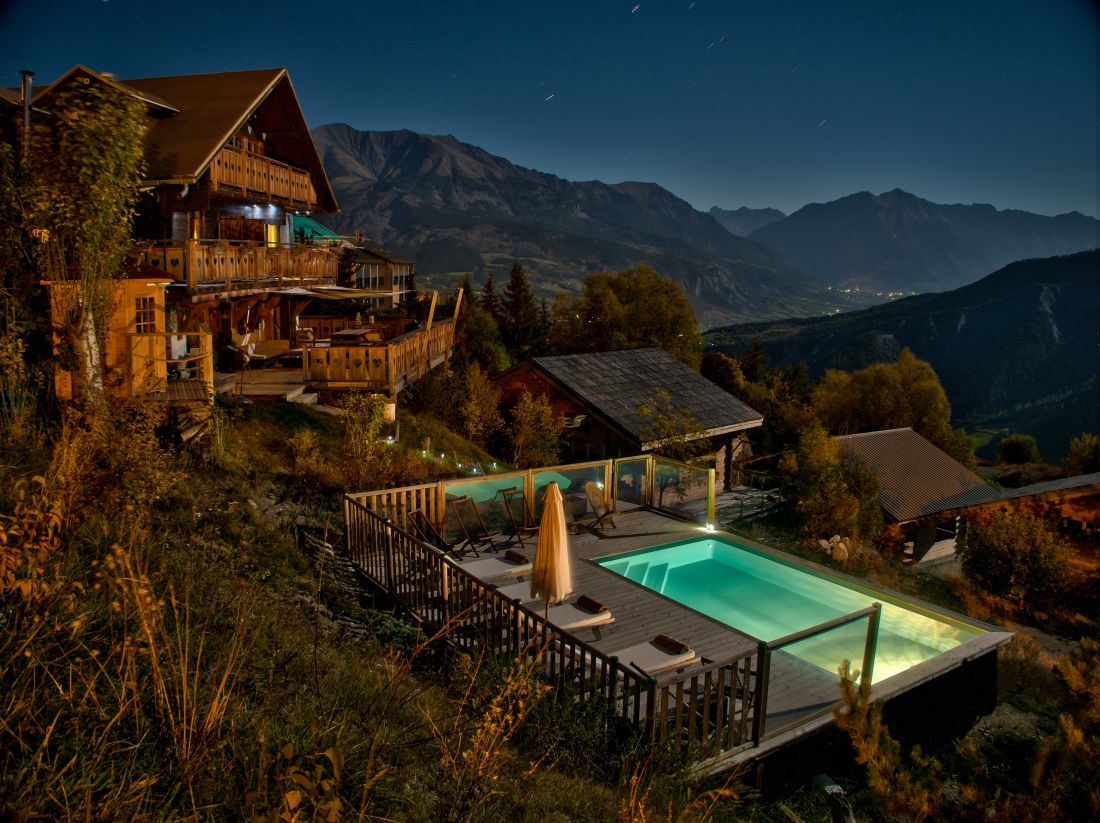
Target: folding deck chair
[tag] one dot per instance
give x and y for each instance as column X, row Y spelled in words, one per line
column 519, row 514
column 426, row 531
column 472, row 525
column 600, row 510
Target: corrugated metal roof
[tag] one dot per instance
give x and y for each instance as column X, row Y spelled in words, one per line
column 616, row 383
column 1062, row 484
column 915, row 478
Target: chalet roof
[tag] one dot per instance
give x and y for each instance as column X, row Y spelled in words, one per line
column 1062, row 484
column 615, row 383
column 192, row 116
column 915, row 478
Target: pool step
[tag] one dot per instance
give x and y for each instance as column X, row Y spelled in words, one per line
column 655, row 577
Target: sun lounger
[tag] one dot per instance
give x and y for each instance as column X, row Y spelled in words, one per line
column 570, row 617
column 491, row 568
column 422, row 527
column 602, row 513
column 520, row 518
column 472, row 525
column 518, row 591
column 657, row 655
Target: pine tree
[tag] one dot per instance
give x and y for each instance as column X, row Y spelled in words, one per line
column 489, row 300
column 519, row 312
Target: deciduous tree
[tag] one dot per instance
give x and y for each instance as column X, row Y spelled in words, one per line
column 1018, row 448
column 1084, row 455
column 79, row 192
column 536, row 432
column 630, row 309
column 891, row 396
column 1008, row 550
column 480, row 410
column 833, row 493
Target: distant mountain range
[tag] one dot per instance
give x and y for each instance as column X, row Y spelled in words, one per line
column 1015, row 350
column 898, row 242
column 744, row 221
column 454, row 207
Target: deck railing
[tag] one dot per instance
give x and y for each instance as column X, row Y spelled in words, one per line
column 715, row 709
column 766, row 648
column 627, row 483
column 385, row 366
column 254, row 175
column 241, row 263
column 710, row 711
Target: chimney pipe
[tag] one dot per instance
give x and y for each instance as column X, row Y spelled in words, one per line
column 27, row 90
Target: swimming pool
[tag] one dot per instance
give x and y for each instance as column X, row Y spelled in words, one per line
column 769, row 598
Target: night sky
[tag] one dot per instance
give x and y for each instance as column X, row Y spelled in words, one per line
column 724, row 103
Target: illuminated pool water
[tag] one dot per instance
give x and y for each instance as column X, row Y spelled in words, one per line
column 767, row 598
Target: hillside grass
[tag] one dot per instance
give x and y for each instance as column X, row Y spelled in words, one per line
column 176, row 646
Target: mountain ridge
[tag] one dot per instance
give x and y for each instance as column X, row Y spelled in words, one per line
column 897, row 241
column 456, row 207
column 744, row 221
column 1015, row 348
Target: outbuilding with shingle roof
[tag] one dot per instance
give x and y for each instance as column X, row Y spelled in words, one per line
column 915, row 478
column 599, row 395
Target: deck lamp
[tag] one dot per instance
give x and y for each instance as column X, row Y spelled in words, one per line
column 710, row 527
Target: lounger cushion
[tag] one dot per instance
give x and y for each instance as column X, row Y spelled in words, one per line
column 568, row 616
column 651, row 659
column 491, row 567
column 518, row 591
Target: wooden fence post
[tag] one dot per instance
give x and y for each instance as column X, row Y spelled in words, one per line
column 763, row 664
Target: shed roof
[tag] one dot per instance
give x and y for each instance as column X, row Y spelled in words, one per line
column 915, row 478
column 1084, row 482
column 615, row 383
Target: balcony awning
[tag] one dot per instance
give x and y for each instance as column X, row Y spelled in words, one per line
column 312, row 230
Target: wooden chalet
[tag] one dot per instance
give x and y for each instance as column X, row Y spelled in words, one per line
column 599, row 395
column 229, row 166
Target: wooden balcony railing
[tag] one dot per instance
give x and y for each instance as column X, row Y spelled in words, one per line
column 241, row 263
column 253, row 175
column 378, row 366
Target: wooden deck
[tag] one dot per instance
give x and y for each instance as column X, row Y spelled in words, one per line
column 798, row 695
column 798, row 689
column 272, row 381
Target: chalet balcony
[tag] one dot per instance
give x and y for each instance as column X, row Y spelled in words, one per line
column 241, row 264
column 355, row 361
column 251, row 175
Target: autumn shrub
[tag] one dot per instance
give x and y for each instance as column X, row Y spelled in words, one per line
column 1006, row 552
column 1018, row 448
column 830, row 492
column 473, row 753
column 1083, row 456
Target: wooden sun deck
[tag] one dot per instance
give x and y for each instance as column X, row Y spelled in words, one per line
column 717, row 697
column 273, row 381
column 798, row 689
